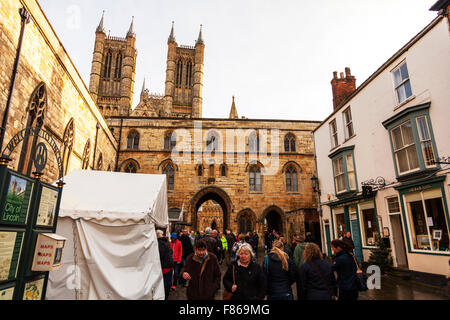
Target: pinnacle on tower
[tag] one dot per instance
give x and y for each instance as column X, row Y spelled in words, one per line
column 100, row 27
column 172, row 35
column 144, row 89
column 131, row 32
column 200, row 36
column 233, row 111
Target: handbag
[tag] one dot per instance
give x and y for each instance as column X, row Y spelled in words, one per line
column 227, row 295
column 333, row 297
column 361, row 278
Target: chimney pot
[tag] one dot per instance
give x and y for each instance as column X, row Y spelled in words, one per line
column 335, row 75
column 347, row 72
column 342, row 75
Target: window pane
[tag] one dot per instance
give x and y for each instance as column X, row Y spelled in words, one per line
column 408, row 137
column 351, row 181
column 412, row 157
column 401, row 94
column 402, row 161
column 393, row 205
column 350, row 163
column 423, row 128
column 286, row 144
column 288, row 181
column 404, row 71
column 340, row 183
column 408, row 91
column 397, row 77
column 294, row 182
column 437, row 224
column 292, row 145
column 369, row 226
column 350, row 130
column 397, row 138
column 428, row 153
column 258, row 181
column 340, row 225
column 418, row 224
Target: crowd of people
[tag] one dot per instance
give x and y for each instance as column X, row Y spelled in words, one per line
column 193, row 260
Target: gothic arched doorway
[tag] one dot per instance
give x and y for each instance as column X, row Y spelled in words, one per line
column 274, row 218
column 219, row 197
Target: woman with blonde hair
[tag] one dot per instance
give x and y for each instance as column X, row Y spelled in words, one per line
column 244, row 277
column 280, row 272
column 316, row 279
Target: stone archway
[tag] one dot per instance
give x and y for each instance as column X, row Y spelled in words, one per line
column 211, row 193
column 275, row 218
column 246, row 220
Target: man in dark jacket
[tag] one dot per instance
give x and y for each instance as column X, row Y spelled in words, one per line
column 345, row 267
column 347, row 239
column 231, row 239
column 255, row 239
column 166, row 259
column 187, row 250
column 211, row 242
column 203, row 272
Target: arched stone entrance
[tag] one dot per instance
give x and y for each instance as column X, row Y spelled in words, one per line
column 211, row 193
column 246, row 220
column 275, row 219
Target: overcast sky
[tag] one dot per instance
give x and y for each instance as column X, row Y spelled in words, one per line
column 276, row 56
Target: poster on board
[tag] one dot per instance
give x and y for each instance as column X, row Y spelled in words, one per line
column 47, row 207
column 6, row 294
column 17, row 201
column 33, row 290
column 10, row 248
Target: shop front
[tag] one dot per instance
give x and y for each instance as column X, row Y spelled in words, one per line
column 426, row 218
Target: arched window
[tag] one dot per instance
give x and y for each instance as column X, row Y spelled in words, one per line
column 170, row 174
column 68, row 140
column 100, row 162
column 291, row 179
column 255, row 178
column 200, row 170
column 189, row 74
column 211, row 171
column 133, row 140
column 212, row 142
column 130, row 167
column 86, row 155
column 289, row 143
column 107, row 65
column 179, row 74
column 36, row 112
column 253, row 142
column 118, row 71
column 170, row 141
column 223, row 170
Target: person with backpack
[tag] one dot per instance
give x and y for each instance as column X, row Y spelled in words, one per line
column 316, row 279
column 280, row 273
column 345, row 267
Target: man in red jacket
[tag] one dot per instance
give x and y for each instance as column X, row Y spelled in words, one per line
column 177, row 249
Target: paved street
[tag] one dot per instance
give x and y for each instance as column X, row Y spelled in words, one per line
column 392, row 288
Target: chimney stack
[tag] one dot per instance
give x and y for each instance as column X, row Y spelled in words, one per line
column 342, row 87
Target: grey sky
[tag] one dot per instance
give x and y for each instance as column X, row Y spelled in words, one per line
column 276, row 56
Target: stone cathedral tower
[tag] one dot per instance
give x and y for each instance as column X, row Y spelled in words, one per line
column 184, row 78
column 113, row 71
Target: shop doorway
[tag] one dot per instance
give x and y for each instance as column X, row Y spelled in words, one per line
column 399, row 241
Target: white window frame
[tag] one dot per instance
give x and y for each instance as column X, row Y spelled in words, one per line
column 347, row 125
column 334, row 135
column 404, row 147
column 402, row 83
column 335, row 175
column 399, row 205
column 422, row 140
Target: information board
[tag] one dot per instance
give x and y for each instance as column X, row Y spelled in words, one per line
column 10, row 248
column 17, row 201
column 47, row 207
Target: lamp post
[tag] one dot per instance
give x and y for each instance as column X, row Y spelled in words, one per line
column 25, row 17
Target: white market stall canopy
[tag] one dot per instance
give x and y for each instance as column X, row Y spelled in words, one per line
column 111, row 252
column 112, row 196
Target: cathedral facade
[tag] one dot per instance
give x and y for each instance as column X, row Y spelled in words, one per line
column 237, row 173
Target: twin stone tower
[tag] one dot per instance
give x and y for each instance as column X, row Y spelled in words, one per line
column 113, row 72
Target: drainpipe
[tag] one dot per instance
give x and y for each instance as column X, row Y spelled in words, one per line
column 118, row 147
column 95, row 146
column 25, row 16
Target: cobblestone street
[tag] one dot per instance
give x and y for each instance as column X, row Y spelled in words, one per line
column 392, row 288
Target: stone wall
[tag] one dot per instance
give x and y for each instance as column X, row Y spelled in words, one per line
column 44, row 59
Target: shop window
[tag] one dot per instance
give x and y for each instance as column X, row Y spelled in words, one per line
column 368, row 223
column 427, row 221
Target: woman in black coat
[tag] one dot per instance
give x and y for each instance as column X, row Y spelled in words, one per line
column 249, row 282
column 316, row 279
column 345, row 267
column 280, row 273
